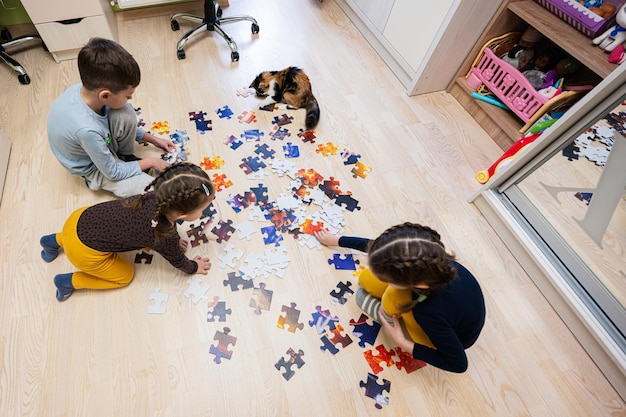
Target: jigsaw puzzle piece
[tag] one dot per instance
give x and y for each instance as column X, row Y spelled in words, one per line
column 408, row 362
column 290, row 318
column 384, row 356
column 196, row 290
column 217, row 309
column 221, row 349
column 339, row 295
column 295, row 358
column 343, row 262
column 237, row 280
column 375, row 390
column 263, row 299
column 159, row 298
column 366, row 332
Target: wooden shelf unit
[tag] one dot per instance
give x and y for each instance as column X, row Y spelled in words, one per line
column 503, row 126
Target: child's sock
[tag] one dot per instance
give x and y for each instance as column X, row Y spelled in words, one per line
column 368, row 303
column 64, row 286
column 50, row 247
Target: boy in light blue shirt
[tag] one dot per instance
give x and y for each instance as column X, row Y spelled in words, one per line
column 92, row 129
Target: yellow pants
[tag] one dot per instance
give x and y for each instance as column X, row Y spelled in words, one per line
column 97, row 270
column 391, row 298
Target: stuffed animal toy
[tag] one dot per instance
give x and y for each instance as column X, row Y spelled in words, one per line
column 615, row 35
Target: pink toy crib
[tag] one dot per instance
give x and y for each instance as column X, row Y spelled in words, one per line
column 510, row 86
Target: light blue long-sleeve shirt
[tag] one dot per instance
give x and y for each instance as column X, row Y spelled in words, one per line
column 81, row 140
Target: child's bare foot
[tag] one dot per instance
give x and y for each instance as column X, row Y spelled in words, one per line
column 326, row 238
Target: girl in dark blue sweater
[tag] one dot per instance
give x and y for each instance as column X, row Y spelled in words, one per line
column 413, row 284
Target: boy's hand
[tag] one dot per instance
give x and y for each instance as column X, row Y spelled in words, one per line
column 204, row 264
column 151, row 162
column 164, row 144
column 183, row 245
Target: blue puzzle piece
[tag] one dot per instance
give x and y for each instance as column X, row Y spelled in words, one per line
column 252, row 135
column 271, row 236
column 291, row 150
column 367, row 333
column 225, row 112
column 280, row 134
column 346, row 262
column 328, row 345
column 203, row 125
column 265, row 151
column 233, row 142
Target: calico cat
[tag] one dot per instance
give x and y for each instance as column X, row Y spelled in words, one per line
column 290, row 86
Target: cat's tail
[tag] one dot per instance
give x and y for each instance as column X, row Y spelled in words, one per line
column 312, row 113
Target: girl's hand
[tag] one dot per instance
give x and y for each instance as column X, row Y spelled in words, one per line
column 394, row 330
column 184, row 244
column 204, row 264
column 326, row 238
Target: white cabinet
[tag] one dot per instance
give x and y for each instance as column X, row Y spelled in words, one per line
column 423, row 43
column 66, row 25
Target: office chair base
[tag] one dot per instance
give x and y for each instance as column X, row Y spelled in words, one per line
column 22, row 76
column 211, row 27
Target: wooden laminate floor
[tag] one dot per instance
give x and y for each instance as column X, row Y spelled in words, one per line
column 102, row 354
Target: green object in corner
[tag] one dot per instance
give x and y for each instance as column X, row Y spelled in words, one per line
column 12, row 13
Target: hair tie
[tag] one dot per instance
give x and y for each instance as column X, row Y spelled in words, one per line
column 154, row 223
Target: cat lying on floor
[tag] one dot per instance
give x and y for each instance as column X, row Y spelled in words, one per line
column 290, row 86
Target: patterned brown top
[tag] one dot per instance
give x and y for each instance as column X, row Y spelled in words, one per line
column 111, row 227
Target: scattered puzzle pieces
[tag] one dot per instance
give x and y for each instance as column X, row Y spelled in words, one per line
column 375, row 390
column 221, row 349
column 247, row 117
column 407, row 361
column 196, row 290
column 143, row 256
column 223, row 230
column 225, row 112
column 160, row 127
column 197, row 234
column 217, row 309
column 339, row 295
column 366, row 332
column 327, row 149
column 290, row 318
column 263, row 299
column 383, row 356
column 159, row 298
column 237, row 280
column 294, row 359
column 282, row 120
column 360, row 170
column 343, row 262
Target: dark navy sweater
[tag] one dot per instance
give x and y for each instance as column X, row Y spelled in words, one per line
column 452, row 317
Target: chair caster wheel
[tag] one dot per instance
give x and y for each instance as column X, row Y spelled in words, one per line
column 174, row 24
column 219, row 12
column 234, row 56
column 180, row 54
column 23, row 79
column 255, row 28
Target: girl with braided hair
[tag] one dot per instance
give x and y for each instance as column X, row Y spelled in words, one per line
column 428, row 303
column 92, row 237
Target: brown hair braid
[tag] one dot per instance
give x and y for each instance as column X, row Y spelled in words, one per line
column 409, row 254
column 182, row 188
